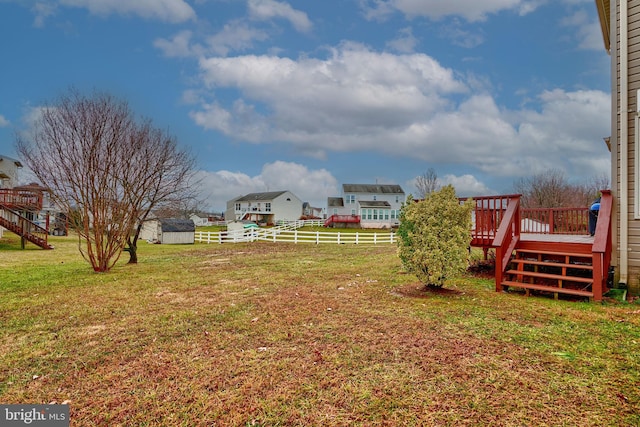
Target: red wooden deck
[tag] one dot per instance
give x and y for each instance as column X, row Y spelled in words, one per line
column 500, row 224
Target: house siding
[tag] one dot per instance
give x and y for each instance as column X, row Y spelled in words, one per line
column 255, row 206
column 633, row 78
column 363, row 195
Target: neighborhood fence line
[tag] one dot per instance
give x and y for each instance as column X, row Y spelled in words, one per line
column 278, row 234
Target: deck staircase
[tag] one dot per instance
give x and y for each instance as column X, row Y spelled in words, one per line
column 564, row 263
column 13, row 208
column 534, row 267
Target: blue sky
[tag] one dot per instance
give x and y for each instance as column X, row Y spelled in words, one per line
column 307, row 95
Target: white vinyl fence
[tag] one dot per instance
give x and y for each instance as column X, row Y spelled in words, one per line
column 292, row 235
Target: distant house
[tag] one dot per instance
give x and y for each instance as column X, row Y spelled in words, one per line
column 311, row 211
column 169, row 231
column 265, row 208
column 377, row 205
column 9, row 171
column 201, row 219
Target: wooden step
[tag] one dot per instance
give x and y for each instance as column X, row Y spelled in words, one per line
column 554, row 253
column 553, row 289
column 526, row 273
column 551, row 264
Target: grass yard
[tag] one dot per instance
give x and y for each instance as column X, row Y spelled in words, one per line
column 266, row 334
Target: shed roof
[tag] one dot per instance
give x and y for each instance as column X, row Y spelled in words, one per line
column 176, row 225
column 270, row 195
column 374, row 204
column 372, row 188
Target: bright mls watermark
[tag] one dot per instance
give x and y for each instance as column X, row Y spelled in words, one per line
column 34, row 415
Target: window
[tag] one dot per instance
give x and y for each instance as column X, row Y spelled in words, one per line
column 238, row 206
column 353, row 211
column 397, row 199
column 386, row 214
column 335, row 211
column 267, row 207
column 351, row 198
column 375, row 214
column 393, row 214
column 375, row 198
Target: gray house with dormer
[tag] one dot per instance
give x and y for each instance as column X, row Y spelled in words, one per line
column 375, row 205
column 265, row 208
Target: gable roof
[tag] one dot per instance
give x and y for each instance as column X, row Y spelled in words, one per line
column 10, row 160
column 604, row 14
column 372, row 188
column 175, row 225
column 260, row 196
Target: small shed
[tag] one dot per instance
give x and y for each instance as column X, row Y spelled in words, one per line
column 171, row 231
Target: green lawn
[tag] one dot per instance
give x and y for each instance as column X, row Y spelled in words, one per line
column 311, row 335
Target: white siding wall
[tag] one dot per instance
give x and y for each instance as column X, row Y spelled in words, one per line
column 284, row 209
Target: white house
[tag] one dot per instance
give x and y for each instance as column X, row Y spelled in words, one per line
column 9, row 171
column 265, row 208
column 168, row 231
column 377, row 205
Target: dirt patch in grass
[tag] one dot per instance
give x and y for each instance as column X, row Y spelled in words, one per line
column 420, row 290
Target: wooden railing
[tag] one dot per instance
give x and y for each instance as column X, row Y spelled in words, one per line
column 602, row 246
column 21, row 199
column 507, row 237
column 24, row 227
column 555, row 220
column 488, row 213
column 342, row 219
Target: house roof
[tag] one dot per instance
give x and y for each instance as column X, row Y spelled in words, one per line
column 335, row 202
column 374, row 204
column 260, row 196
column 372, row 188
column 604, row 13
column 10, row 160
column 175, row 225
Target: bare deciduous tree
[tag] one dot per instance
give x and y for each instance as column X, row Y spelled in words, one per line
column 427, row 183
column 106, row 167
column 551, row 189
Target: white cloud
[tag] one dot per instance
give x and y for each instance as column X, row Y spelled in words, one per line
column 268, row 9
column 470, row 10
column 313, row 186
column 164, row 10
column 357, row 100
column 176, row 47
column 405, row 42
column 42, row 11
column 3, row 121
column 588, row 34
column 467, row 185
column 235, row 36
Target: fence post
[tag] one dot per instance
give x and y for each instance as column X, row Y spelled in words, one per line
column 317, row 237
column 375, row 238
column 357, row 236
column 338, row 237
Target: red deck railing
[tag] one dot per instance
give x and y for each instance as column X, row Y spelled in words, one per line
column 342, row 219
column 21, row 199
column 555, row 220
column 602, row 246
